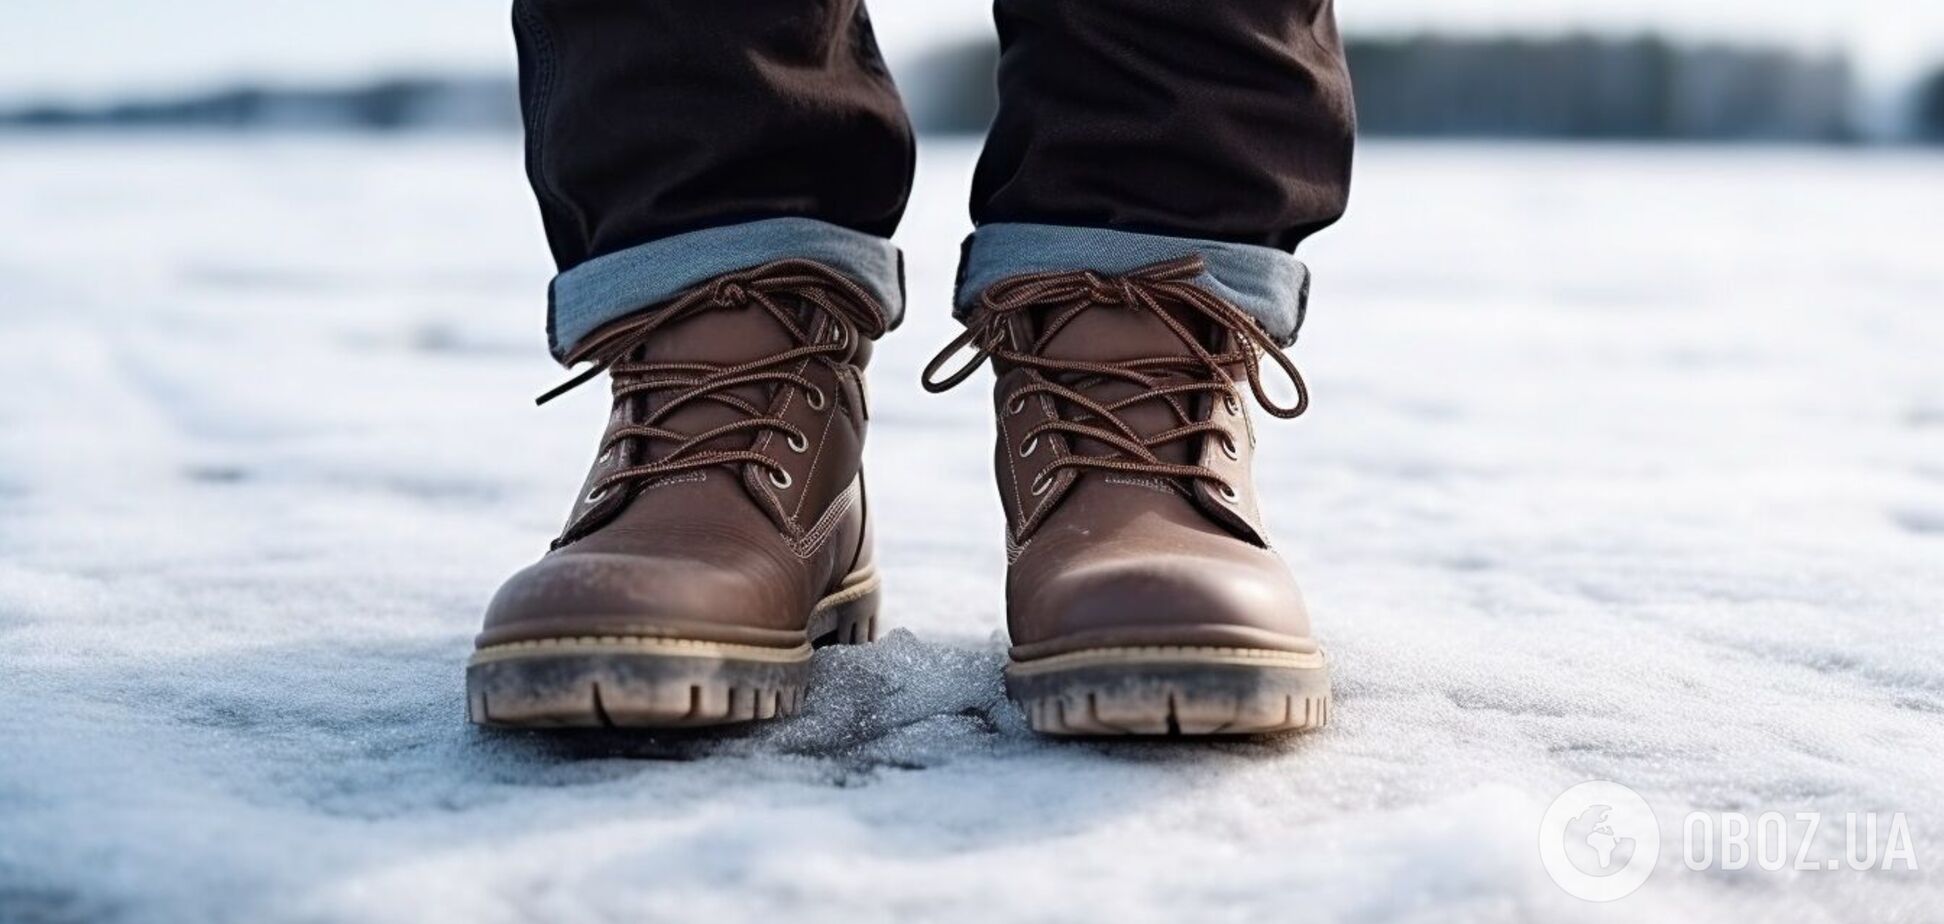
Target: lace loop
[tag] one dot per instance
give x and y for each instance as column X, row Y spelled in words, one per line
column 1166, row 290
column 728, row 293
column 613, row 349
column 960, row 342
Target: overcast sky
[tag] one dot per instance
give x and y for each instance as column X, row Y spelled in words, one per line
column 83, row 49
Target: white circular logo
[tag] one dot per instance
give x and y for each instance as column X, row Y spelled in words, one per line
column 1599, row 841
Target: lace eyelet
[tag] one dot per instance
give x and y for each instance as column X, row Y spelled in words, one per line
column 816, row 398
column 1233, row 404
column 1017, row 405
column 839, row 334
column 780, row 478
column 594, row 495
column 798, row 444
column 1029, row 448
column 1229, row 448
column 1228, row 493
column 606, row 454
column 1042, row 484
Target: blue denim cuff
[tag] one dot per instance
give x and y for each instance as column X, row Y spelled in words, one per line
column 1269, row 284
column 612, row 286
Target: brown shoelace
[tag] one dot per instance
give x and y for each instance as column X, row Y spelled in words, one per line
column 1174, row 379
column 776, row 288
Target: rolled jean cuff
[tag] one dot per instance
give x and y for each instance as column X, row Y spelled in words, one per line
column 1270, row 285
column 615, row 285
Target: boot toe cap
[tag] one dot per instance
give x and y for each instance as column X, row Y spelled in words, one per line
column 568, row 594
column 1163, row 600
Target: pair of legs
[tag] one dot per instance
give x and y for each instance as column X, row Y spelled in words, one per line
column 718, row 181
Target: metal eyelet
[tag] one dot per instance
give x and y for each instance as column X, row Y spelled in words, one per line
column 1017, row 405
column 815, row 398
column 1030, row 446
column 1042, row 483
column 1233, row 403
column 839, row 334
column 797, row 444
column 780, row 478
column 594, row 495
column 606, row 454
column 1228, row 493
column 1229, row 449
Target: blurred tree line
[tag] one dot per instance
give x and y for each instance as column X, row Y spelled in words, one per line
column 1930, row 108
column 1569, row 87
column 1585, row 87
column 387, row 105
column 1437, row 86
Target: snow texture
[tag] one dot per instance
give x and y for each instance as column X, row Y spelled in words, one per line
column 1625, row 463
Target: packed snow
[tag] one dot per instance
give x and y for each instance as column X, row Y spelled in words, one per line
column 1624, row 463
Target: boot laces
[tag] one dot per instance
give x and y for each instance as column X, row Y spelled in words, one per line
column 778, row 288
column 1164, row 289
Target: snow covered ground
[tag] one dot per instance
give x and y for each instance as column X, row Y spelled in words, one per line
column 1624, row 463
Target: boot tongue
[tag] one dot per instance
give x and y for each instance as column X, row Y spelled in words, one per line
column 727, row 336
column 1115, row 333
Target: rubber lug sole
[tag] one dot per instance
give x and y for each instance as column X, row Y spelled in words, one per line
column 647, row 682
column 1172, row 691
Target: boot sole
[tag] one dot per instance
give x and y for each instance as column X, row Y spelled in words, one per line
column 651, row 682
column 1172, row 690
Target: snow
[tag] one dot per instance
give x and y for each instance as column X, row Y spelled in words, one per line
column 1624, row 463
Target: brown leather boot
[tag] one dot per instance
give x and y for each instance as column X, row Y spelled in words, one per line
column 722, row 531
column 1143, row 597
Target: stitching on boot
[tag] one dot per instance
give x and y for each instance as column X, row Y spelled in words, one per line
column 670, row 480
column 1052, row 490
column 789, row 397
column 1015, row 548
column 1012, row 459
column 816, row 456
column 1152, row 484
column 826, row 525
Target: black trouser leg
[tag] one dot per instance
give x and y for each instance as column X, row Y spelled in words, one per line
column 649, row 118
column 1226, row 120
